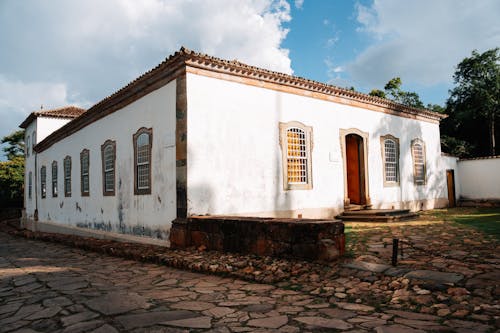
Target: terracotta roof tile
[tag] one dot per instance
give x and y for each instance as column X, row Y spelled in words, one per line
column 69, row 112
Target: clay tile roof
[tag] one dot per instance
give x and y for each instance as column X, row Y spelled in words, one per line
column 69, row 112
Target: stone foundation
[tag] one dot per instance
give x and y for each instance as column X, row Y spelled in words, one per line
column 277, row 237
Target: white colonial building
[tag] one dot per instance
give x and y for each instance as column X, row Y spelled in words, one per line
column 198, row 135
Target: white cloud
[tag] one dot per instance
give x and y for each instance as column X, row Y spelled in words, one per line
column 422, row 41
column 62, row 51
column 299, row 4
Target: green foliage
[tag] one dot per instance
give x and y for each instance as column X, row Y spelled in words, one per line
column 15, row 144
column 456, row 147
column 392, row 90
column 377, row 93
column 12, row 170
column 473, row 105
column 11, row 180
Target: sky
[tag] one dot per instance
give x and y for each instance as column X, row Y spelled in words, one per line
column 59, row 52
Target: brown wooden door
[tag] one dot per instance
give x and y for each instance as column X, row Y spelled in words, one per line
column 450, row 179
column 354, row 191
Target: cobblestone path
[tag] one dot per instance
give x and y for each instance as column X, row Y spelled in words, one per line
column 48, row 287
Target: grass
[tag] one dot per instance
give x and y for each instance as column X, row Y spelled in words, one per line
column 486, row 220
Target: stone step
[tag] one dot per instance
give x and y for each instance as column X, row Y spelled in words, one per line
column 378, row 218
column 378, row 212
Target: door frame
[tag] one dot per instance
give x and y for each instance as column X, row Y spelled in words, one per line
column 364, row 137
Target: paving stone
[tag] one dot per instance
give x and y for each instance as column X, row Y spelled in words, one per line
column 355, row 307
column 13, row 325
column 219, row 311
column 367, row 266
column 116, row 303
column 269, row 322
column 338, row 313
column 258, row 308
column 105, row 329
column 440, row 277
column 412, row 315
column 192, row 305
column 83, row 326
column 325, row 323
column 197, row 322
column 11, row 307
column 45, row 313
column 78, row 317
column 57, row 301
column 130, row 321
column 397, row 329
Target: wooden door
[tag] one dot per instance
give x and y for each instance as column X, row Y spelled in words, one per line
column 353, row 162
column 450, row 179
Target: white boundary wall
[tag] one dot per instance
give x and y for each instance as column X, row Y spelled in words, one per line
column 480, row 178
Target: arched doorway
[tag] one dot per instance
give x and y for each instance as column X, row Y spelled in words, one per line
column 354, row 143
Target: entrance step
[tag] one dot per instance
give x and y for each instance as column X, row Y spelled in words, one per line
column 377, row 215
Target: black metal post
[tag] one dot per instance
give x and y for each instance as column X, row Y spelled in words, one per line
column 395, row 245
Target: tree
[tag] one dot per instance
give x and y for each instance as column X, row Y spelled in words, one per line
column 15, row 144
column 12, row 170
column 475, row 100
column 392, row 90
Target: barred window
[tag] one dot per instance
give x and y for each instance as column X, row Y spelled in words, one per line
column 108, row 152
column 84, row 172
column 43, row 181
column 390, row 157
column 142, row 140
column 54, row 179
column 30, row 184
column 295, row 141
column 33, row 140
column 27, row 146
column 418, row 153
column 67, row 176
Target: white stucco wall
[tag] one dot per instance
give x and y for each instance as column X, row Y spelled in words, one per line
column 480, row 178
column 124, row 212
column 234, row 156
column 48, row 125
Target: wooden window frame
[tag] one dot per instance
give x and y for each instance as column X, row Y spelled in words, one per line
column 149, row 132
column 382, row 147
column 27, row 145
column 283, row 139
column 83, row 153
column 67, row 179
column 103, row 147
column 33, row 141
column 43, row 182
column 30, row 185
column 55, row 189
column 424, row 157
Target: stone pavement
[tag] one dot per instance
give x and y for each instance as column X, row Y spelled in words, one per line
column 48, row 287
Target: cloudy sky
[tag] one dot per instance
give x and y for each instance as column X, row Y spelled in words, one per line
column 60, row 52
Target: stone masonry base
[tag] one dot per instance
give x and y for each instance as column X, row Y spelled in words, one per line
column 278, row 237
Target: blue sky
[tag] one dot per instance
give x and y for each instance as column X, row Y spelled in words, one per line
column 77, row 52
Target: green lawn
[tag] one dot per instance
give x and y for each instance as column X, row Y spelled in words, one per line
column 486, row 220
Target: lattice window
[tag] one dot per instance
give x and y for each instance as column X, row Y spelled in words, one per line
column 296, row 147
column 108, row 167
column 84, row 172
column 142, row 158
column 33, row 140
column 43, row 181
column 30, row 184
column 67, row 176
column 418, row 153
column 27, row 146
column 391, row 157
column 54, row 179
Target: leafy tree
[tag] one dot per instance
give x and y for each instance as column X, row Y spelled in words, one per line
column 473, row 104
column 12, row 170
column 392, row 90
column 15, row 144
column 377, row 93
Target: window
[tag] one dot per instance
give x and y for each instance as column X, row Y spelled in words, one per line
column 295, row 140
column 418, row 154
column 143, row 141
column 67, row 176
column 30, row 184
column 84, row 173
column 54, row 179
column 33, row 140
column 27, row 146
column 390, row 158
column 43, row 181
column 108, row 167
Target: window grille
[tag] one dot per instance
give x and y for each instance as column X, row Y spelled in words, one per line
column 418, row 162
column 142, row 140
column 43, row 181
column 84, row 170
column 33, row 140
column 30, row 184
column 67, row 176
column 391, row 161
column 27, row 148
column 108, row 167
column 296, row 156
column 54, row 179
